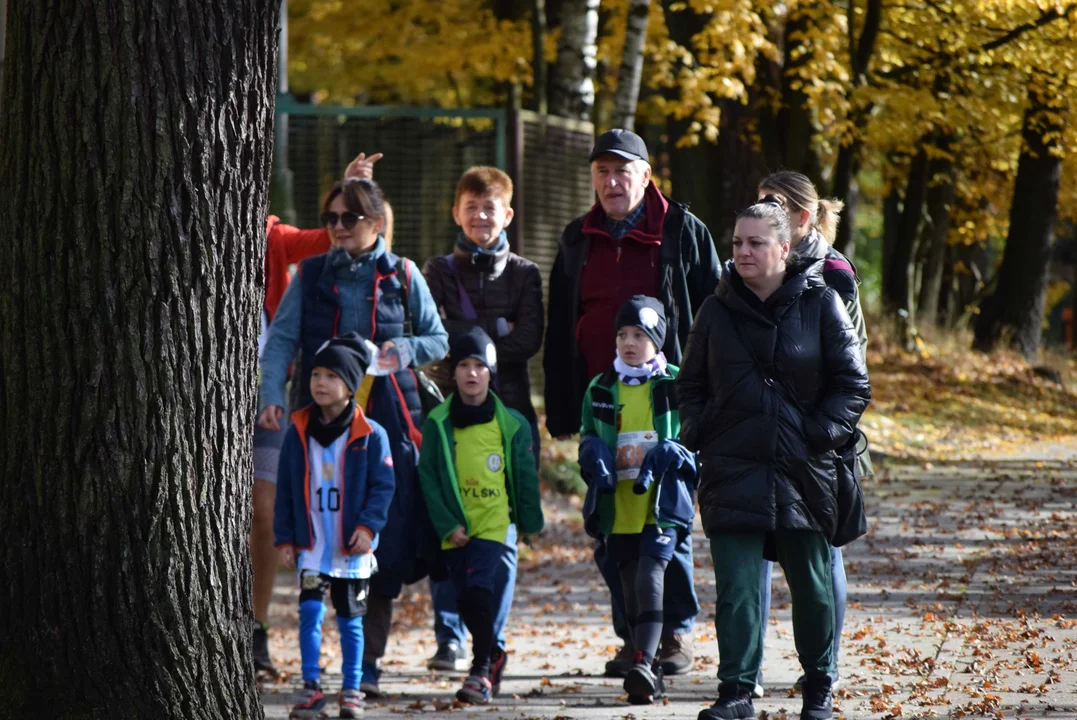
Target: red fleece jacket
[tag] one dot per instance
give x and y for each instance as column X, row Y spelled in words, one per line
column 286, row 246
column 616, row 270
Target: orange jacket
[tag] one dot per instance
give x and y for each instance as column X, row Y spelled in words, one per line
column 287, row 245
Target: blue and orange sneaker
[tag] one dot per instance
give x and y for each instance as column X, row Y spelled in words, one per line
column 311, row 703
column 477, row 690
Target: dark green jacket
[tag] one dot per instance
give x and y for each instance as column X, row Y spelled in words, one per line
column 437, row 472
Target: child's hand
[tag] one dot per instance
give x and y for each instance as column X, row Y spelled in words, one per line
column 287, row 557
column 459, row 537
column 360, row 541
column 269, row 419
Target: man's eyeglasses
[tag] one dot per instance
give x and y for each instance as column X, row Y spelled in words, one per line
column 348, row 219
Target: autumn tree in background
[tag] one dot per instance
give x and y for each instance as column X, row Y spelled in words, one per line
column 1016, row 307
column 913, row 111
column 135, row 147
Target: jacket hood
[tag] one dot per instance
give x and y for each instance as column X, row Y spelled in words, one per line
column 734, row 294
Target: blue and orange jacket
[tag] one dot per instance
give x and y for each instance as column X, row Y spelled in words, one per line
column 369, row 482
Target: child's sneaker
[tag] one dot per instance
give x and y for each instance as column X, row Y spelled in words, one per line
column 311, row 704
column 644, row 684
column 477, row 690
column 351, row 703
column 369, row 683
column 498, row 660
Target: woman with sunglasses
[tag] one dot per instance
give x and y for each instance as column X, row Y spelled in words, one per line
column 359, row 286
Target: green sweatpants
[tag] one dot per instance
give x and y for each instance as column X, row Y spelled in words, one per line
column 805, row 559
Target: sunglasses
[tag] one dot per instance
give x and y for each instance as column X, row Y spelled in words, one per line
column 348, row 219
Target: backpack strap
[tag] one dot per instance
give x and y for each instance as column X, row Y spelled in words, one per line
column 466, row 306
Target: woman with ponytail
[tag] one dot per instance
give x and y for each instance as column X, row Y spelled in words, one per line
column 813, row 224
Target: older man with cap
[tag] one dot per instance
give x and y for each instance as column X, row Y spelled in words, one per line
column 634, row 241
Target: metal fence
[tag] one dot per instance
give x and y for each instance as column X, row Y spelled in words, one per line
column 426, row 151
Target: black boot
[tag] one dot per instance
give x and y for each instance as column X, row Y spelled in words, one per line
column 818, row 702
column 260, row 646
column 734, row 703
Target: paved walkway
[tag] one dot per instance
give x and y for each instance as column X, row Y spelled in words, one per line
column 962, row 603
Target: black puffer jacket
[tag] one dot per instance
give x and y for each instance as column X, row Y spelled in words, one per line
column 509, row 289
column 768, row 460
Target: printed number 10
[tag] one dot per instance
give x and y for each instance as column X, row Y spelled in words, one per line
column 330, row 497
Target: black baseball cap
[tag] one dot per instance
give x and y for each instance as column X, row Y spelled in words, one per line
column 625, row 143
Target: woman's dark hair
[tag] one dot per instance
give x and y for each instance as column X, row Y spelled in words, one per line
column 799, row 191
column 361, row 196
column 770, row 210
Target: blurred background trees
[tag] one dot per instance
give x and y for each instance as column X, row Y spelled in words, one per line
column 946, row 126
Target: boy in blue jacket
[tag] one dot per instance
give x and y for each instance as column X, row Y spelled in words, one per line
column 334, row 486
column 641, row 480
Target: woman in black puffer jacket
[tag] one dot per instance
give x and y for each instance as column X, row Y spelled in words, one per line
column 772, row 384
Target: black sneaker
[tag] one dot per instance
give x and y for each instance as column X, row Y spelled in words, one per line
column 835, row 680
column 262, row 662
column 734, row 703
column 645, row 683
column 818, row 701
column 448, row 657
column 498, row 660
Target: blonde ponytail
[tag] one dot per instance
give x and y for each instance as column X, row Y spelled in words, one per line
column 827, row 217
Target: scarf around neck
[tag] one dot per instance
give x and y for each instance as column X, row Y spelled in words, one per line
column 326, row 433
column 462, row 415
column 630, row 375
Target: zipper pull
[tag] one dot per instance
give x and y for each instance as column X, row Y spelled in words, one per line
column 618, row 252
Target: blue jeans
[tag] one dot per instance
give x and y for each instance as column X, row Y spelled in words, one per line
column 679, row 602
column 449, row 626
column 837, row 574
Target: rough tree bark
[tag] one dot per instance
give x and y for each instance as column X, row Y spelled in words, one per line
column 572, row 87
column 135, row 148
column 631, row 71
column 1014, row 311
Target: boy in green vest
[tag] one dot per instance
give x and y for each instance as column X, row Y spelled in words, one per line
column 477, row 472
column 641, row 480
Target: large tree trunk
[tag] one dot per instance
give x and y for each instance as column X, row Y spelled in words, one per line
column 897, row 274
column 1015, row 309
column 796, row 130
column 935, row 233
column 572, row 87
column 135, row 148
column 847, row 165
column 845, row 188
column 631, row 71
